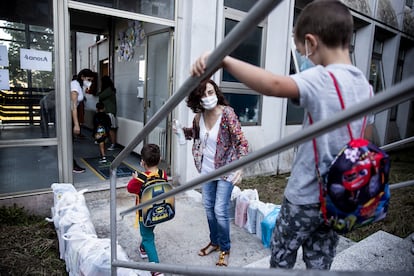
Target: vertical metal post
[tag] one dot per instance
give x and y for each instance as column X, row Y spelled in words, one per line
column 112, row 218
column 63, row 119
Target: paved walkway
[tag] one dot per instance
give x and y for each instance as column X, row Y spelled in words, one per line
column 179, row 240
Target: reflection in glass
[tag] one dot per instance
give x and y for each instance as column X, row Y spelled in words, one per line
column 249, row 50
column 376, row 75
column 30, row 100
column 158, row 8
column 28, row 169
column 246, row 107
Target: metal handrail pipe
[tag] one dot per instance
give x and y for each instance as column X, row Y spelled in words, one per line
column 399, row 93
column 397, row 144
column 257, row 13
column 236, row 271
column 401, row 184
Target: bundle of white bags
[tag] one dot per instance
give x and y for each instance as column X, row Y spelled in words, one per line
column 255, row 216
column 84, row 253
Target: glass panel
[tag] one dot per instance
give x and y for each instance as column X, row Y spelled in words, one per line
column 157, row 86
column 130, row 73
column 378, row 45
column 294, row 113
column 28, row 168
column 376, row 75
column 245, row 5
column 352, row 48
column 250, row 50
column 247, row 107
column 27, row 102
column 158, row 8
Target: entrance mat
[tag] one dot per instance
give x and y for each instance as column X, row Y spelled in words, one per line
column 102, row 169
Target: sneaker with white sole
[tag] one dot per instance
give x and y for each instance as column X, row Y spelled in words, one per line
column 77, row 169
column 102, row 159
column 142, row 253
column 112, row 147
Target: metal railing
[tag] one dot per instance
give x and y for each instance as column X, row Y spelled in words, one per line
column 395, row 95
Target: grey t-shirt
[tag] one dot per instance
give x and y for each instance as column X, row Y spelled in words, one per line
column 319, row 97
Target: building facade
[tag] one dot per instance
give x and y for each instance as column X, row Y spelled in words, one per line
column 147, row 48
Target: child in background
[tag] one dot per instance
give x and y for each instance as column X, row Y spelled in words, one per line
column 322, row 36
column 150, row 158
column 101, row 125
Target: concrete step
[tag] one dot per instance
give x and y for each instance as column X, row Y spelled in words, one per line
column 381, row 251
column 343, row 244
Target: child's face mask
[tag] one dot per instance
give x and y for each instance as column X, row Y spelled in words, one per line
column 306, row 62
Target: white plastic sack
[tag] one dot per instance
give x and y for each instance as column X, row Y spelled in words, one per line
column 250, row 225
column 242, row 203
column 74, row 242
column 59, row 189
column 70, row 201
column 261, row 213
column 95, row 259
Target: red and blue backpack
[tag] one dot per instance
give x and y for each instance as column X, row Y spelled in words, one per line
column 355, row 190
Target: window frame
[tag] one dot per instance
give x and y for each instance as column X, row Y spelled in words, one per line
column 228, row 87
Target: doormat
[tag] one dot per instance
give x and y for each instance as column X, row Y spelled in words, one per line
column 102, row 169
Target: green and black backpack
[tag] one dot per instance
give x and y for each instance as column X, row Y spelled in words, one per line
column 160, row 211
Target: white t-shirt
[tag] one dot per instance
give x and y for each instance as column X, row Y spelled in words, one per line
column 75, row 86
column 209, row 144
column 319, row 97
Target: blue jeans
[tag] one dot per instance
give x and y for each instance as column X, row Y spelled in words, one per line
column 148, row 243
column 216, row 201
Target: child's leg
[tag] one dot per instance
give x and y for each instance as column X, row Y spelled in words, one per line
column 102, row 148
column 319, row 249
column 295, row 226
column 148, row 243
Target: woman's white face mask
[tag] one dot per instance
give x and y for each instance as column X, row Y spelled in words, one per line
column 209, row 102
column 86, row 84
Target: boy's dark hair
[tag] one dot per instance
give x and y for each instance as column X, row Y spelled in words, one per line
column 194, row 99
column 150, row 154
column 330, row 20
column 100, row 106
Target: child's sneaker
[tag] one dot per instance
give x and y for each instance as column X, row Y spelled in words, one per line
column 112, row 147
column 77, row 169
column 142, row 253
column 102, row 160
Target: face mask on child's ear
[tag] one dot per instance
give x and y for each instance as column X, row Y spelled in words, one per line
column 306, row 62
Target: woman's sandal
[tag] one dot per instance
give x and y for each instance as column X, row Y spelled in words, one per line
column 223, row 258
column 208, row 249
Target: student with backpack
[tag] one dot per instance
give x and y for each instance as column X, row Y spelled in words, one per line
column 101, row 125
column 323, row 42
column 150, row 159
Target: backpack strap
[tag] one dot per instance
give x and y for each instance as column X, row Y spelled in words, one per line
column 315, row 150
column 341, row 100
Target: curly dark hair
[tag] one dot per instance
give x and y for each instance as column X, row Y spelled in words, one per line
column 194, row 99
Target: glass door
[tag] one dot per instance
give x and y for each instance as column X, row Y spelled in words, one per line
column 158, row 85
column 28, row 144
